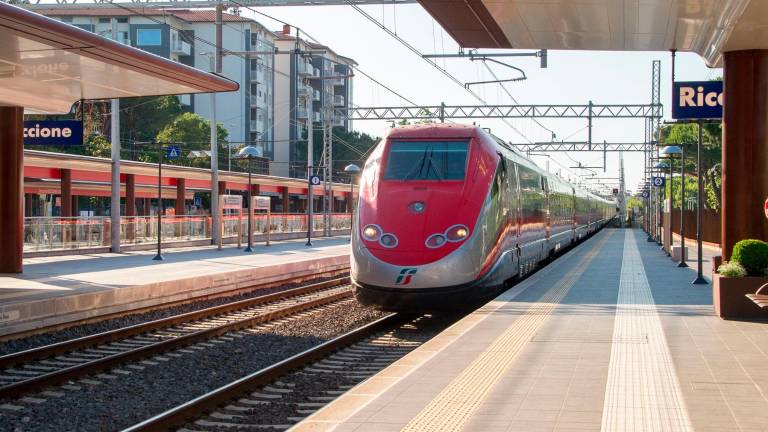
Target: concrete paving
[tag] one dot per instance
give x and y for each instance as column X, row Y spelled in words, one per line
column 54, row 290
column 612, row 337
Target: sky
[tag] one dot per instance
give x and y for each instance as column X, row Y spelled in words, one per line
column 572, row 77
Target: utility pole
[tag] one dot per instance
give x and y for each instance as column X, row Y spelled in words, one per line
column 621, row 199
column 215, row 216
column 215, row 59
column 310, row 158
column 114, row 214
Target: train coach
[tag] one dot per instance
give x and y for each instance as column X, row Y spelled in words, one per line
column 448, row 214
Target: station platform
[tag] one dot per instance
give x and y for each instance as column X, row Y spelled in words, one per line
column 612, row 336
column 57, row 290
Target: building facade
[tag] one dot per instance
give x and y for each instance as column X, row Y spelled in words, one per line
column 310, row 84
column 278, row 91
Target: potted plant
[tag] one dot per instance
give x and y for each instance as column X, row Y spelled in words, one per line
column 743, row 274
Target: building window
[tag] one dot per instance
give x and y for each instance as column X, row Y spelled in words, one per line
column 66, row 19
column 122, row 20
column 104, row 20
column 149, row 37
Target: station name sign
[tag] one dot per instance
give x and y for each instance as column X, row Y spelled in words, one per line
column 53, row 132
column 697, row 100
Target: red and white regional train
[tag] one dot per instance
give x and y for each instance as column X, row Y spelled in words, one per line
column 447, row 214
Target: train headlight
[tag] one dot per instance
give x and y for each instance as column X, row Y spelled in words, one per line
column 388, row 240
column 457, row 233
column 372, row 232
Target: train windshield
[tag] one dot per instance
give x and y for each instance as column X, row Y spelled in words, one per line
column 427, row 160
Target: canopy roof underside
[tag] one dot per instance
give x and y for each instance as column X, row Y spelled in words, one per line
column 707, row 27
column 46, row 66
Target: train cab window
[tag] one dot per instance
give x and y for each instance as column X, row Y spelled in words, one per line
column 427, row 160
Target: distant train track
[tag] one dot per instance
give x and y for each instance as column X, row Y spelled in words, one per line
column 37, row 368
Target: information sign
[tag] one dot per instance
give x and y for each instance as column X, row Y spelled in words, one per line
column 231, row 202
column 695, row 100
column 53, row 132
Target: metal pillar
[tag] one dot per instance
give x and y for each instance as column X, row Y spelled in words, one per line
column 215, row 189
column 11, row 189
column 310, row 162
column 114, row 214
column 699, row 192
column 682, row 208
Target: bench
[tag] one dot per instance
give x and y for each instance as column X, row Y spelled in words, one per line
column 758, row 298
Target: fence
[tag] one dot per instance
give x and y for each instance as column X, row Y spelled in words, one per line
column 710, row 227
column 57, row 233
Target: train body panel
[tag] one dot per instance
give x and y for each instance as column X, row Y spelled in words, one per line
column 447, row 214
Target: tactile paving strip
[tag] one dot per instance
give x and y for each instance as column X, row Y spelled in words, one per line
column 454, row 406
column 642, row 393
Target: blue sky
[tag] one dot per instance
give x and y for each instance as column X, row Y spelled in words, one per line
column 572, row 77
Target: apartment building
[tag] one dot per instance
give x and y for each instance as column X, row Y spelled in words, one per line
column 187, row 36
column 309, row 85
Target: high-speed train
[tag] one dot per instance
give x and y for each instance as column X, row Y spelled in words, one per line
column 447, row 214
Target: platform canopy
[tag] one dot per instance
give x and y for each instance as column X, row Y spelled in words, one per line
column 707, row 27
column 47, row 65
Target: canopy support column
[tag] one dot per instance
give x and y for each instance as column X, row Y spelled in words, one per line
column 745, row 148
column 11, row 189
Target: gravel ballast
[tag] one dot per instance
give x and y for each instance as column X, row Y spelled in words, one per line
column 123, row 397
column 34, row 341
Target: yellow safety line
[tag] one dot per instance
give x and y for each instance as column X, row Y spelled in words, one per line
column 455, row 405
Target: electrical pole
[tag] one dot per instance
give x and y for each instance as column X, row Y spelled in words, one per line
column 215, row 67
column 114, row 214
column 310, row 157
column 621, row 201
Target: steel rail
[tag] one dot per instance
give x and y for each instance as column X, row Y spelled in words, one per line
column 189, row 410
column 110, row 361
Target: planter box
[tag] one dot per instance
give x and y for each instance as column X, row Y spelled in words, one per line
column 729, row 296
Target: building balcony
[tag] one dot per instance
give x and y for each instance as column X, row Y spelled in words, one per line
column 337, row 122
column 180, row 47
column 301, row 113
column 305, row 91
column 316, row 95
column 337, row 81
column 257, row 126
column 338, row 100
column 254, row 100
column 305, row 68
column 257, row 77
column 317, row 117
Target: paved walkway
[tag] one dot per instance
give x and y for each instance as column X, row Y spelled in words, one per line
column 612, row 337
column 52, row 289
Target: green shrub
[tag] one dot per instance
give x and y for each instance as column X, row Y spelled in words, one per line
column 732, row 269
column 752, row 255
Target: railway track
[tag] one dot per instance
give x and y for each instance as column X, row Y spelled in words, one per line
column 281, row 395
column 37, row 368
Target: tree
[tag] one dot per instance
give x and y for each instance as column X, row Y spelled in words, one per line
column 142, row 118
column 349, row 147
column 194, row 133
column 685, row 135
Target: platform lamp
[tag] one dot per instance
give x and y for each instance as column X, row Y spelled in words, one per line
column 249, row 152
column 351, row 169
column 672, row 152
column 660, row 167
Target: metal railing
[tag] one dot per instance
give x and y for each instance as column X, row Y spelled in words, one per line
column 42, row 234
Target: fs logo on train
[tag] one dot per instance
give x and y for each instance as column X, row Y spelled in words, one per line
column 405, row 276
